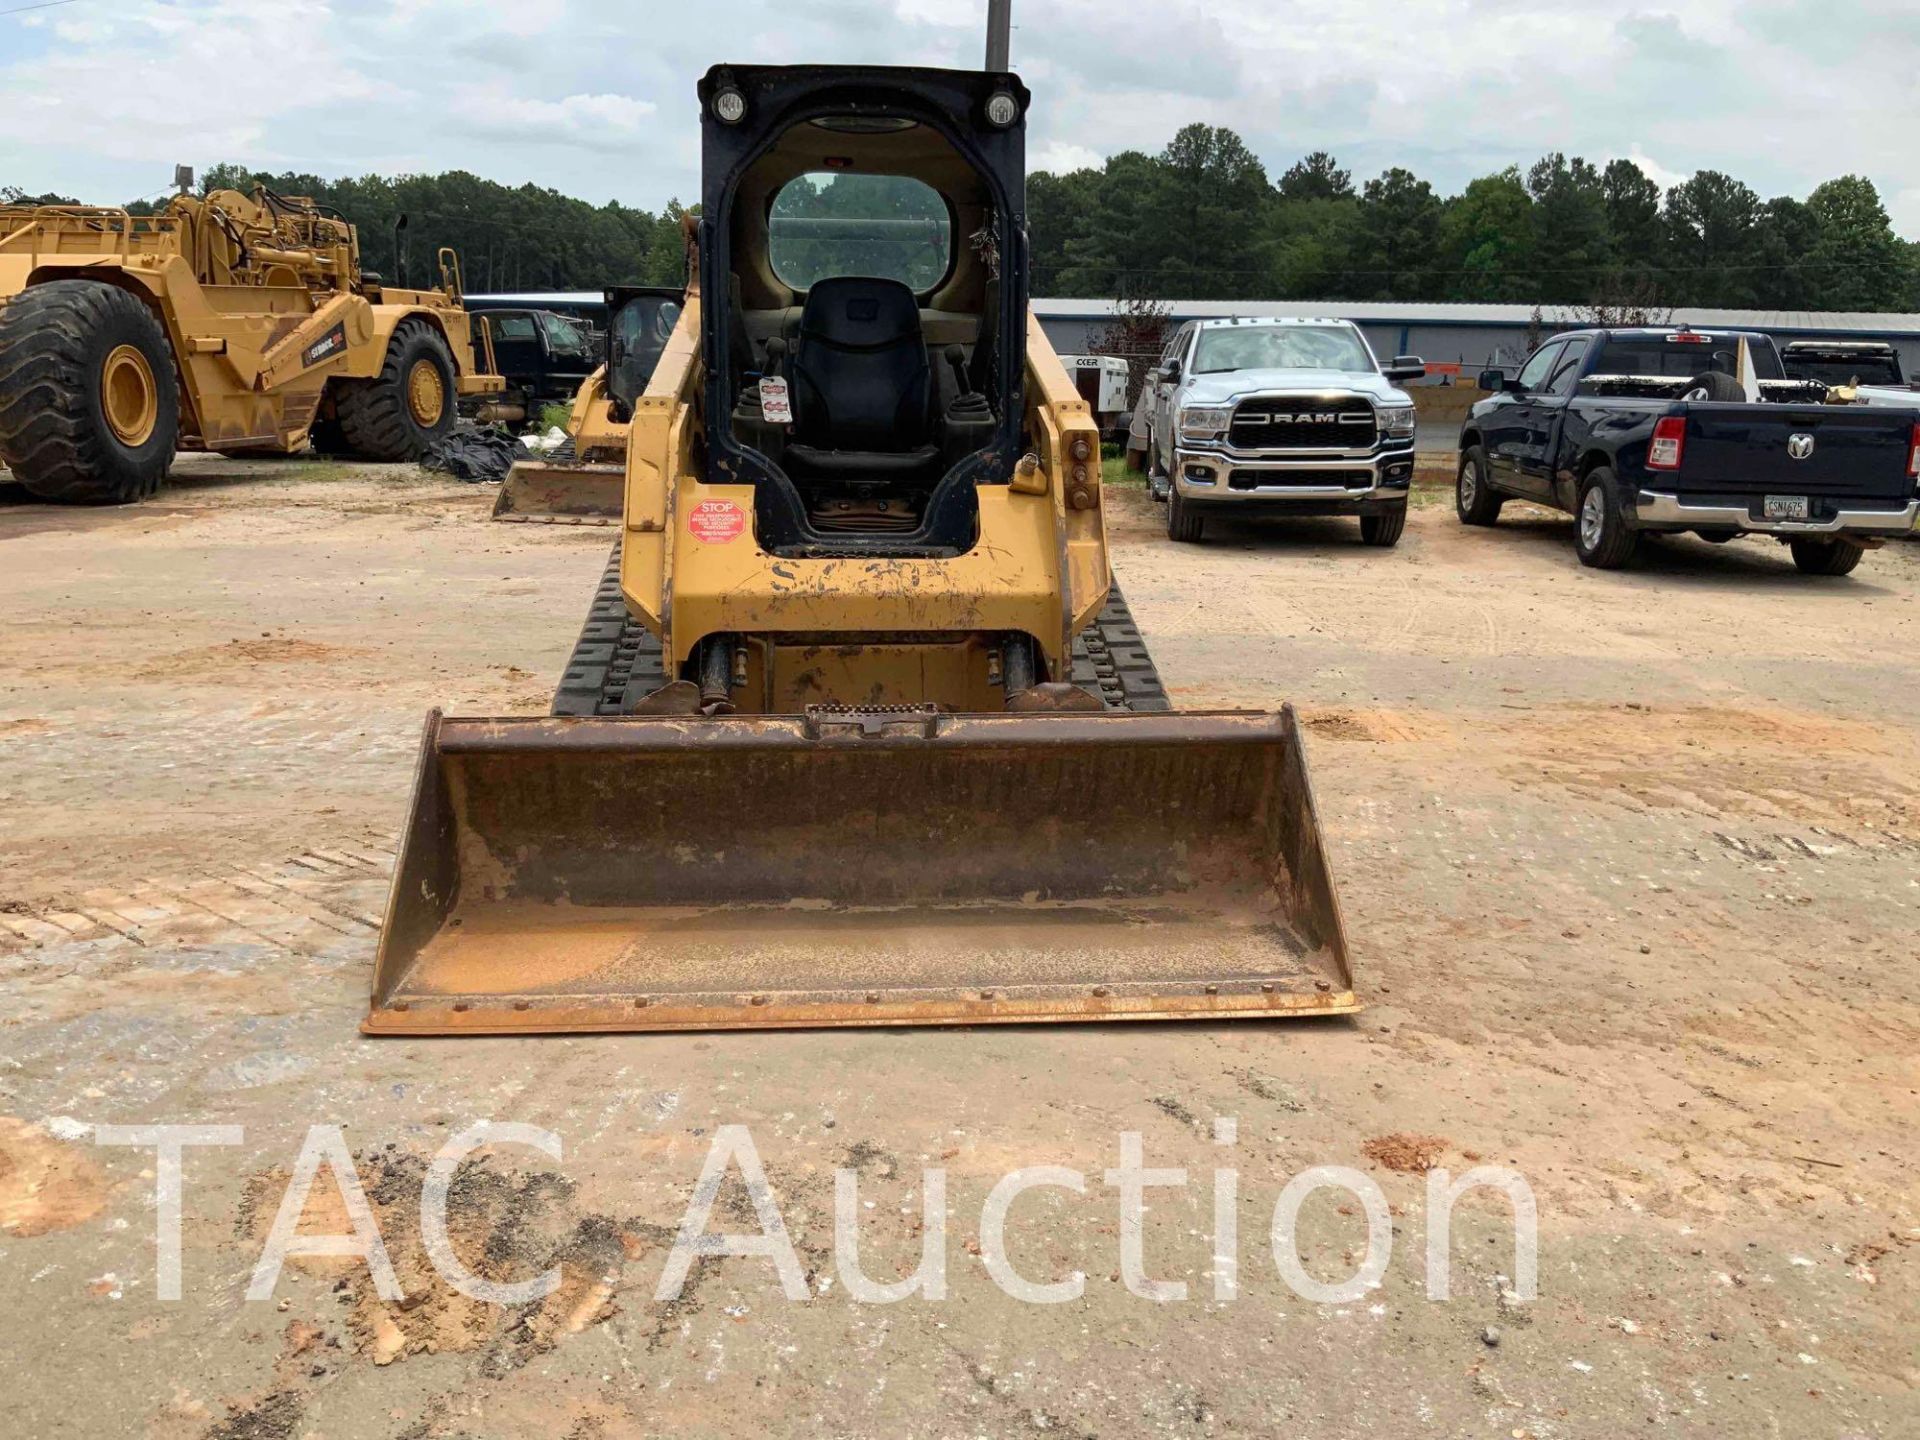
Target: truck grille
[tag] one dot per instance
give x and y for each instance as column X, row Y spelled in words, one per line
column 1281, row 479
column 1305, row 423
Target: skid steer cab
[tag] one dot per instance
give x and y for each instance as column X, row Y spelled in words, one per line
column 859, row 731
column 588, row 485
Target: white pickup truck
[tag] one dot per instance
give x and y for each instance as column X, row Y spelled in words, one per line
column 1291, row 417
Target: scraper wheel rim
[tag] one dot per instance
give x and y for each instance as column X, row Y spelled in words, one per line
column 426, row 394
column 128, row 396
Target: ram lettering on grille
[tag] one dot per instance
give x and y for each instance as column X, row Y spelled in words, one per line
column 1278, row 425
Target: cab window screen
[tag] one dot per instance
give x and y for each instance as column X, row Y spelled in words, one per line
column 1656, row 356
column 883, row 226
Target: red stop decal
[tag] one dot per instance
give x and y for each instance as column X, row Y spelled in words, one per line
column 715, row 522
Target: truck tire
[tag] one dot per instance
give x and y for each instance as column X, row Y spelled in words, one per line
column 1185, row 523
column 1477, row 502
column 1383, row 530
column 1600, row 530
column 399, row 413
column 89, row 398
column 1159, row 478
column 1825, row 557
column 1714, row 385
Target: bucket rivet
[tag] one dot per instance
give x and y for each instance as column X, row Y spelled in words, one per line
column 873, row 998
column 1101, row 991
column 986, row 994
column 640, row 1002
column 462, row 1006
column 1323, row 985
column 401, row 1006
column 1266, row 987
column 523, row 1004
column 759, row 1000
column 1213, row 989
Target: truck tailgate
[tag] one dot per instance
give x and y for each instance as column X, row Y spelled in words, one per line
column 1861, row 452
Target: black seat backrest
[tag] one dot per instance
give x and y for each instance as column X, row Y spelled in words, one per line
column 862, row 379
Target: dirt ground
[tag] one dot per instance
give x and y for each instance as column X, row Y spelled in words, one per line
column 1631, row 864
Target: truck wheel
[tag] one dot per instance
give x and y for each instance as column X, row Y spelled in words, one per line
column 1600, row 531
column 1714, row 385
column 399, row 413
column 1825, row 557
column 1476, row 500
column 1184, row 522
column 1384, row 529
column 89, row 400
column 1159, row 478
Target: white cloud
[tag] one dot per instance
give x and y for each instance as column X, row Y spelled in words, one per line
column 1061, row 156
column 1665, row 178
column 595, row 97
column 609, row 121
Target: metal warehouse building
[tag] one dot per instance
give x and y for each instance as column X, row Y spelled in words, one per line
column 1471, row 337
column 1474, row 337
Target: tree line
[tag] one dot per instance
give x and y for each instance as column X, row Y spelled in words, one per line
column 1202, row 220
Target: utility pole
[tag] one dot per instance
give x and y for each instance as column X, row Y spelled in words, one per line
column 999, row 35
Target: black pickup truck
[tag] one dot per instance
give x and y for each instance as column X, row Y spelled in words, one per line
column 1659, row 431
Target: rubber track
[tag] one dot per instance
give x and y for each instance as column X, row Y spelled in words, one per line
column 45, row 430
column 1109, row 659
column 614, row 651
column 369, row 412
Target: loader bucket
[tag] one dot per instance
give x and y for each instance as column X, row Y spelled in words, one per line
column 561, row 492
column 877, row 868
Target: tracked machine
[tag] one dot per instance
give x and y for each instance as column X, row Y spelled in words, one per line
column 859, row 732
column 235, row 323
column 587, row 486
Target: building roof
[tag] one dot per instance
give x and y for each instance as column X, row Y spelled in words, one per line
column 1834, row 323
column 1563, row 317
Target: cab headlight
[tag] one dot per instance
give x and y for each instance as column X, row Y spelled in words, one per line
column 1205, row 422
column 1397, row 422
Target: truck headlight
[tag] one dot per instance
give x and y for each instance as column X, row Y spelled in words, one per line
column 1397, row 422
column 1205, row 422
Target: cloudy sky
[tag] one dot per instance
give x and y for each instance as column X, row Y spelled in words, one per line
column 99, row 98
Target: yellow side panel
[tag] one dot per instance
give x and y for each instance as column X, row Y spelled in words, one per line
column 724, row 583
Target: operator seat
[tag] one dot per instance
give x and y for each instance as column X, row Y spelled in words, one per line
column 863, row 393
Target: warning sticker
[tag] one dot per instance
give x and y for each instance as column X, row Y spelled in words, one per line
column 715, row 522
column 775, row 401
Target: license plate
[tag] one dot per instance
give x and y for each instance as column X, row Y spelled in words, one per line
column 1787, row 507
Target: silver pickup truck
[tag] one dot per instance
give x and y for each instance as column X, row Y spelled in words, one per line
column 1292, row 417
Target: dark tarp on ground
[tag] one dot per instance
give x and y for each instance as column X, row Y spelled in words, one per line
column 483, row 454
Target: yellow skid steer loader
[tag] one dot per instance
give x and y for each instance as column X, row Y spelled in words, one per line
column 586, row 487
column 858, row 732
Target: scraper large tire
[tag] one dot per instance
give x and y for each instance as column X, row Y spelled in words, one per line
column 89, row 402
column 410, row 404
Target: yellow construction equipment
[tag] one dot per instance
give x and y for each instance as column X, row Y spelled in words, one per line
column 858, row 732
column 240, row 324
column 585, row 487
